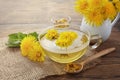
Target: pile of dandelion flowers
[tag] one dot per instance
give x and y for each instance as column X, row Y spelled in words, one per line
column 96, row 11
column 31, row 48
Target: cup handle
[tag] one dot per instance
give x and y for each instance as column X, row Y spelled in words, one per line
column 95, row 41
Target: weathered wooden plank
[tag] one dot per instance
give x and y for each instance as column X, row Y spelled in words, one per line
column 30, row 11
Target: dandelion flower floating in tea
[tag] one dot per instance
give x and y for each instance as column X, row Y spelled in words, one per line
column 52, row 34
column 66, row 38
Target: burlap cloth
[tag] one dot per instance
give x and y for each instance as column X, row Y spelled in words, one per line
column 13, row 66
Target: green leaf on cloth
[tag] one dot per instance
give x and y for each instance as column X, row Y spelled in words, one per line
column 15, row 39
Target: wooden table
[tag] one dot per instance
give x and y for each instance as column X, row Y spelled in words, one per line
column 33, row 15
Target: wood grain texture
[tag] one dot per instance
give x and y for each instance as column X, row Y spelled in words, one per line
column 18, row 14
column 33, row 15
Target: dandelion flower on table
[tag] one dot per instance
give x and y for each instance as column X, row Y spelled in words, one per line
column 31, row 48
column 36, row 54
column 27, row 45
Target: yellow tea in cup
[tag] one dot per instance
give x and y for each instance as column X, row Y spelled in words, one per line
column 66, row 54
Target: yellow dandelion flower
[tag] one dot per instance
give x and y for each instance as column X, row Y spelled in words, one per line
column 115, row 1
column 81, row 6
column 97, row 11
column 37, row 53
column 68, row 35
column 94, row 17
column 109, row 10
column 95, row 3
column 117, row 5
column 27, row 45
column 52, row 34
column 63, row 42
column 66, row 38
column 31, row 48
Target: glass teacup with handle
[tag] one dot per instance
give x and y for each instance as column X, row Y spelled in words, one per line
column 65, row 49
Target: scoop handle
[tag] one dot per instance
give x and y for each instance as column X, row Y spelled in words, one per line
column 99, row 54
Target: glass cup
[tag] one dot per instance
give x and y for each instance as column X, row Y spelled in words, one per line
column 73, row 52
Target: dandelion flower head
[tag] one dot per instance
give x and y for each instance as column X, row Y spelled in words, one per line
column 31, row 48
column 52, row 34
column 66, row 38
